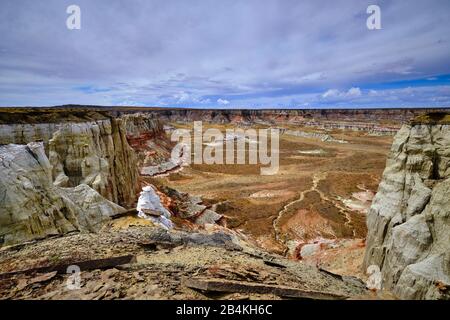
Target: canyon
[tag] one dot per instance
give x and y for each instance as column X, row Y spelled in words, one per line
column 71, row 177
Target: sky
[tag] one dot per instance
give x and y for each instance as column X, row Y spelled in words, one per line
column 226, row 53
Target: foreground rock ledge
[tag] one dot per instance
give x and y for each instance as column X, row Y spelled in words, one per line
column 165, row 264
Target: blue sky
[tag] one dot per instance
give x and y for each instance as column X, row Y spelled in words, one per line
column 226, row 54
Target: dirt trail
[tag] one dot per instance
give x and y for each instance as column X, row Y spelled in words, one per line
column 317, row 177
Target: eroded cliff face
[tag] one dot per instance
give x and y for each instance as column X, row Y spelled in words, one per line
column 351, row 116
column 409, row 221
column 373, row 121
column 95, row 153
column 33, row 207
column 63, row 172
column 145, row 134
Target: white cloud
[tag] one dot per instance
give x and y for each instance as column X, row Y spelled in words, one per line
column 182, row 97
column 223, row 101
column 380, row 98
column 354, row 92
column 336, row 94
column 332, row 93
column 316, row 76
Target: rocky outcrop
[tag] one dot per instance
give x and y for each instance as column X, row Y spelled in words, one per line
column 190, row 207
column 313, row 135
column 96, row 154
column 84, row 151
column 145, row 262
column 146, row 135
column 87, row 160
column 138, row 124
column 409, row 220
column 32, row 207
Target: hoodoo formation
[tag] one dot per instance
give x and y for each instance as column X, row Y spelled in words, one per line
column 409, row 221
column 355, row 189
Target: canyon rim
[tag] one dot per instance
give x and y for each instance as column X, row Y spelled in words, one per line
column 255, row 156
column 71, row 178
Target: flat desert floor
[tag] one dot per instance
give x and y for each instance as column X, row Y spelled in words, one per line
column 313, row 209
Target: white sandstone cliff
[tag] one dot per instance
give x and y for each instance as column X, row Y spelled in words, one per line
column 409, row 220
column 94, row 152
column 32, row 207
